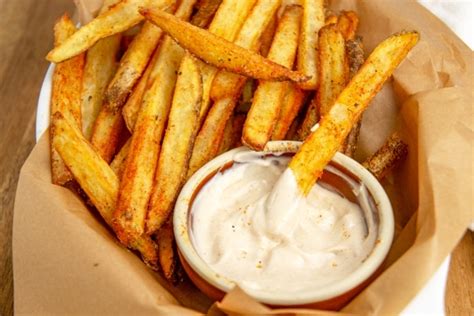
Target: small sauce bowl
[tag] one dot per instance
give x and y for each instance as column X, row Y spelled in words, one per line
column 331, row 297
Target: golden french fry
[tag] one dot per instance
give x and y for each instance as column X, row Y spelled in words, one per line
column 166, row 252
column 318, row 149
column 225, row 83
column 232, row 133
column 118, row 163
column 331, row 19
column 393, row 151
column 140, row 166
column 267, row 36
column 211, row 133
column 212, row 48
column 106, row 133
column 347, row 24
column 65, row 98
column 205, row 11
column 269, row 95
column 290, row 108
column 177, row 145
column 95, row 177
column 313, row 20
column 100, row 67
column 226, row 23
column 333, row 71
column 117, row 19
column 292, row 133
column 246, row 97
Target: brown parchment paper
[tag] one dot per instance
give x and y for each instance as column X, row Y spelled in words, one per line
column 66, row 261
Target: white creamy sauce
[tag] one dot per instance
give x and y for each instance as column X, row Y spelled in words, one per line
column 276, row 240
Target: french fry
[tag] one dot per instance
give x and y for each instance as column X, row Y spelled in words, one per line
column 166, row 253
column 347, row 24
column 313, row 20
column 118, row 163
column 66, row 94
column 225, row 83
column 290, row 108
column 333, row 75
column 140, row 166
column 318, row 149
column 106, row 133
column 205, row 11
column 226, row 23
column 210, row 136
column 210, row 48
column 393, row 151
column 95, row 177
column 355, row 54
column 177, row 145
column 246, row 97
column 100, row 67
column 267, row 36
column 331, row 19
column 132, row 106
column 232, row 133
column 117, row 19
column 269, row 95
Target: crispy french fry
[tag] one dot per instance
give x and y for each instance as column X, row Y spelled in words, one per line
column 140, row 166
column 355, row 54
column 118, row 163
column 166, row 252
column 117, row 19
column 393, row 151
column 313, row 20
column 132, row 106
column 333, row 70
column 65, row 98
column 210, row 136
column 347, row 24
column 232, row 133
column 318, row 149
column 269, row 95
column 290, row 108
column 267, row 36
column 100, row 67
column 331, row 19
column 95, row 177
column 205, row 11
column 226, row 23
column 209, row 47
column 177, row 145
column 106, row 133
column 225, row 83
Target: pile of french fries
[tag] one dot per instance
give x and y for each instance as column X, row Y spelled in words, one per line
column 142, row 99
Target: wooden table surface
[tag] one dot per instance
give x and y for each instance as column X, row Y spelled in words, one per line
column 25, row 37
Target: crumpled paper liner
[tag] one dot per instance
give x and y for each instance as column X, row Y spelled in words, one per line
column 66, row 261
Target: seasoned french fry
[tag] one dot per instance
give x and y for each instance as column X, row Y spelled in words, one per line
column 232, row 133
column 355, row 54
column 226, row 23
column 120, row 17
column 100, row 67
column 313, row 20
column 290, row 108
column 318, row 149
column 333, row 71
column 140, row 166
column 106, row 133
column 206, row 10
column 269, row 95
column 246, row 97
column 347, row 24
column 393, row 151
column 95, row 177
column 177, row 145
column 311, row 117
column 267, row 36
column 166, row 253
column 65, row 98
column 225, row 83
column 118, row 163
column 210, row 136
column 331, row 19
column 132, row 106
column 211, row 48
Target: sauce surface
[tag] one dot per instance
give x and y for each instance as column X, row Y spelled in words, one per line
column 250, row 226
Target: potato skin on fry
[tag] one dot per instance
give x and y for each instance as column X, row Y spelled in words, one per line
column 106, row 133
column 318, row 149
column 95, row 177
column 177, row 144
column 166, row 251
column 66, row 95
column 237, row 59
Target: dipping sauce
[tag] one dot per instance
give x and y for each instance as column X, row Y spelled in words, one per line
column 273, row 241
